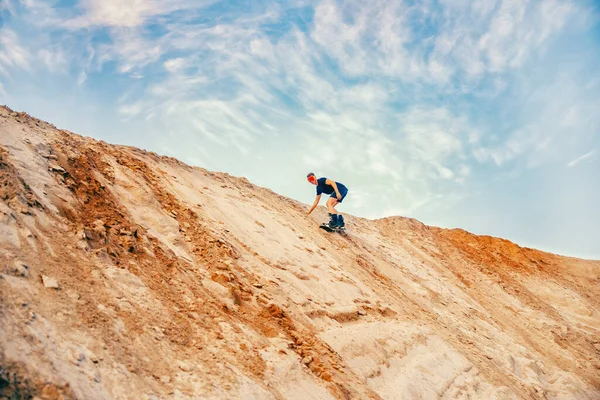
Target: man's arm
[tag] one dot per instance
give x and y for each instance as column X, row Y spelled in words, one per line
column 332, row 183
column 317, row 199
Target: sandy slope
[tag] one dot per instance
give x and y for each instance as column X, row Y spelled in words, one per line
column 176, row 282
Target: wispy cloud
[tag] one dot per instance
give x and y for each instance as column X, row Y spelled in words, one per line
column 576, row 161
column 116, row 13
column 12, row 54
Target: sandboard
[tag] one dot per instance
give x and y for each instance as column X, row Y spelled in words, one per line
column 328, row 229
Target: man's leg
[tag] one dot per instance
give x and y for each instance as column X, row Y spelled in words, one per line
column 331, row 203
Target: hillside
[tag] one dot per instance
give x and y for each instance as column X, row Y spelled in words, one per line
column 129, row 275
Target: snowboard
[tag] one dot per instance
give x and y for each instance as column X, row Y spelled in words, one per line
column 326, row 227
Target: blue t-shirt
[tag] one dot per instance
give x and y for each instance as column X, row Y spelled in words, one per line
column 322, row 187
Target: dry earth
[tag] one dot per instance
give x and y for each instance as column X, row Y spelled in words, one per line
column 129, row 275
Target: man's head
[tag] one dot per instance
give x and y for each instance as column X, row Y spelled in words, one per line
column 312, row 178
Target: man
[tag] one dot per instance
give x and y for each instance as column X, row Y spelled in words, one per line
column 337, row 192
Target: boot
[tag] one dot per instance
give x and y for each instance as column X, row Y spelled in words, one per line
column 340, row 221
column 333, row 222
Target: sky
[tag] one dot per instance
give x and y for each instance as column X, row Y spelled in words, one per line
column 482, row 115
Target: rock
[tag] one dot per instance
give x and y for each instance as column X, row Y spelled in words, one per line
column 74, row 295
column 184, row 366
column 165, row 379
column 275, row 310
column 50, row 156
column 56, row 168
column 597, row 346
column 49, row 283
column 96, row 235
column 92, row 357
column 97, row 377
column 76, row 357
column 18, row 269
column 326, row 376
column 14, row 114
column 564, row 330
column 237, row 297
column 361, row 312
column 22, row 270
column 307, row 360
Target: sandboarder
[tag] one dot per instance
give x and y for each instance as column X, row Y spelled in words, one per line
column 337, row 192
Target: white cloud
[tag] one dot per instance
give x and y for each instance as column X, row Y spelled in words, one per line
column 576, row 161
column 54, row 59
column 3, row 94
column 12, row 54
column 40, row 13
column 6, row 6
column 130, row 13
column 174, row 64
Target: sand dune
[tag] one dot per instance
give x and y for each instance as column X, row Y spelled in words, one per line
column 129, row 275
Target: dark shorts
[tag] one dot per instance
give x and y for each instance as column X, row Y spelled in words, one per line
column 343, row 192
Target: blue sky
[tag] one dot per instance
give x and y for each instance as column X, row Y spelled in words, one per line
column 483, row 114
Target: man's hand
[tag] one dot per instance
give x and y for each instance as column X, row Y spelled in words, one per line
column 339, row 196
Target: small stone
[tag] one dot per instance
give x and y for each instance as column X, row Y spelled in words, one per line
column 165, row 379
column 184, row 366
column 258, row 285
column 76, row 357
column 188, row 239
column 597, row 346
column 20, row 269
column 97, row 377
column 56, row 168
column 50, row 156
column 326, row 376
column 564, row 330
column 237, row 297
column 14, row 114
column 307, row 360
column 361, row 312
column 74, row 296
column 93, row 358
column 49, row 283
column 275, row 310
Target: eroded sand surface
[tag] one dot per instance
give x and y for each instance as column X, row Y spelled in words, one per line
column 127, row 275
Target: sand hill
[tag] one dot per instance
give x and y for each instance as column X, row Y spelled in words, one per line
column 130, row 275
